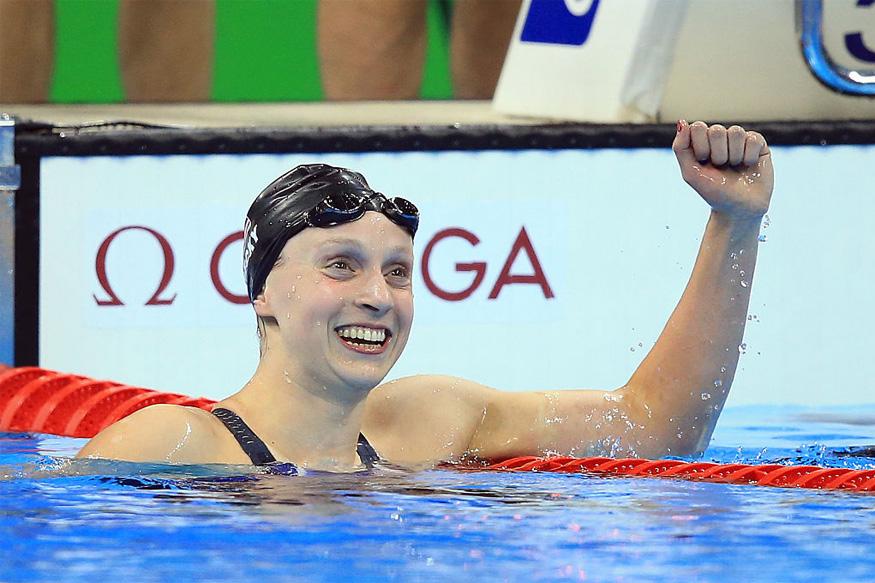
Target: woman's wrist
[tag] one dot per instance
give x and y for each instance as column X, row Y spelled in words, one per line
column 737, row 222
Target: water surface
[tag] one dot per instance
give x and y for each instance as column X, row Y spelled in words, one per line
column 149, row 522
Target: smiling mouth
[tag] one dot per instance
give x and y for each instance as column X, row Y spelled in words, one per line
column 364, row 339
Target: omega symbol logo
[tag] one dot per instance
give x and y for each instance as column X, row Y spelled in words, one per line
column 103, row 278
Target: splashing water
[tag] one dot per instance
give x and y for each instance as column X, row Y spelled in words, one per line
column 766, row 222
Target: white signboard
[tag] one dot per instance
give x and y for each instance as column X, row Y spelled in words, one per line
column 590, row 60
column 634, row 60
column 535, row 269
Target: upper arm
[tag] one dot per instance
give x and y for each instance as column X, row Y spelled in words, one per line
column 427, row 413
column 512, row 425
column 160, row 433
column 564, row 422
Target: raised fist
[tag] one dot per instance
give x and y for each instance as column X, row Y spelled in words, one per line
column 730, row 168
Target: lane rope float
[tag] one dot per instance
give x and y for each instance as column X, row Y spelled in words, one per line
column 34, row 399
column 784, row 476
column 38, row 400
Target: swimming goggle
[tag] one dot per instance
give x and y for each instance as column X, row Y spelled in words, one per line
column 336, row 209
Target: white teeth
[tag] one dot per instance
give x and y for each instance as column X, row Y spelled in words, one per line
column 362, row 333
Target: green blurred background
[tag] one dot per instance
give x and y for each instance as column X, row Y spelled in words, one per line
column 265, row 51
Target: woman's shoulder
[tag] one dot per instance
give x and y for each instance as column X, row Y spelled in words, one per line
column 425, row 391
column 424, row 418
column 166, row 434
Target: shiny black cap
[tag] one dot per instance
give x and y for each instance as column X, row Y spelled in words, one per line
column 278, row 211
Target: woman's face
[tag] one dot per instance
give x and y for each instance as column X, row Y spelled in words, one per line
column 343, row 301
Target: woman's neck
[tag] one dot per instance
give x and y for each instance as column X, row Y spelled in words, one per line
column 302, row 421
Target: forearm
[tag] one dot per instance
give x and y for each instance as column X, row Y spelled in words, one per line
column 681, row 385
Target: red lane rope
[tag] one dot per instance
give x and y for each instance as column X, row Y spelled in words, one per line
column 814, row 477
column 39, row 400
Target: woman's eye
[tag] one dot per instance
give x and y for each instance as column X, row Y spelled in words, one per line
column 339, row 264
column 400, row 272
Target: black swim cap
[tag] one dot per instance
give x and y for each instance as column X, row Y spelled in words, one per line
column 277, row 212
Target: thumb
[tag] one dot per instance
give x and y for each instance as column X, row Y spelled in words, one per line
column 683, row 145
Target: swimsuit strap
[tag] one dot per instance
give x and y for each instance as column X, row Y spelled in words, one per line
column 366, row 452
column 249, row 442
column 257, row 450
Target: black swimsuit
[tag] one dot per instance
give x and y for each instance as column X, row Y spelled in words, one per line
column 257, row 450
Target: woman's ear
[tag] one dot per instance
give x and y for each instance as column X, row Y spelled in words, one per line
column 261, row 307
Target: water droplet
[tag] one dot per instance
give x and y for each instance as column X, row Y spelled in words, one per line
column 743, row 283
column 741, row 273
column 742, row 348
column 762, row 238
column 718, row 383
column 706, row 396
column 722, row 369
column 735, row 266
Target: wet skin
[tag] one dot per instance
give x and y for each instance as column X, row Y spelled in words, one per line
column 316, row 388
column 357, row 274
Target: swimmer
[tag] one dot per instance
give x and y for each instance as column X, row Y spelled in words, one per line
column 329, row 269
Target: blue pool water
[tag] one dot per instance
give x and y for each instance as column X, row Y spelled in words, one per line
column 130, row 522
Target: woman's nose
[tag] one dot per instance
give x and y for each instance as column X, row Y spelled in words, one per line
column 375, row 295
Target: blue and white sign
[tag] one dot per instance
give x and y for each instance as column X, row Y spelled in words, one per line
column 589, row 60
column 562, row 22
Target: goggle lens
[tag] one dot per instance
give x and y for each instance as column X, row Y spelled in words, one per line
column 336, row 209
column 343, row 208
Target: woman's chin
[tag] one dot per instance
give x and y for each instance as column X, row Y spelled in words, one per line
column 363, row 380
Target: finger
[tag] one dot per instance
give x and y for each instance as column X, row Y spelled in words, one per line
column 719, row 146
column 682, row 145
column 753, row 146
column 736, row 137
column 699, row 137
column 765, row 149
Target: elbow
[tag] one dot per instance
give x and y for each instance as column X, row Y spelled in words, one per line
column 677, row 442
